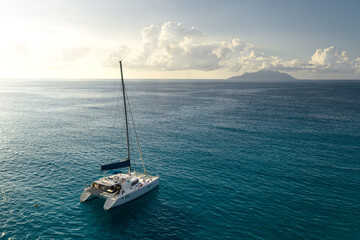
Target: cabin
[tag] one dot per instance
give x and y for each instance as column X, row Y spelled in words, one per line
column 108, row 184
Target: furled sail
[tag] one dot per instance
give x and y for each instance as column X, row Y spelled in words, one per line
column 117, row 165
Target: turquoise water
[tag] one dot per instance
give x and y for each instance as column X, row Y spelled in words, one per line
column 236, row 160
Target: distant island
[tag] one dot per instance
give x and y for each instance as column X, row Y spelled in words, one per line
column 264, row 75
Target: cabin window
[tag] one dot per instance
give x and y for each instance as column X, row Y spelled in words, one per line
column 135, row 182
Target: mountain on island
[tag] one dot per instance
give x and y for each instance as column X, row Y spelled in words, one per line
column 264, row 75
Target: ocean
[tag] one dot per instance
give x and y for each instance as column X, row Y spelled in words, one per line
column 236, row 160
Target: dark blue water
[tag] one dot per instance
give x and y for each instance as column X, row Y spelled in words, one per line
column 236, row 160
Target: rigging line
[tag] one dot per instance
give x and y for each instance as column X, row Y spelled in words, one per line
column 132, row 119
column 117, row 104
column 123, row 108
column 137, row 139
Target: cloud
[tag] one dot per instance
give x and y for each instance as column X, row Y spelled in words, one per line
column 328, row 60
column 357, row 64
column 332, row 60
column 173, row 47
column 278, row 64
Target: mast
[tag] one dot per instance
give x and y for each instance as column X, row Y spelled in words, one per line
column 125, row 113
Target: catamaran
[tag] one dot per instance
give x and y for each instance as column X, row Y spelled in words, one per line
column 121, row 188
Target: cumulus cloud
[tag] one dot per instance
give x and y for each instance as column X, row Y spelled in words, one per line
column 171, row 47
column 174, row 47
column 328, row 60
column 332, row 60
column 278, row 64
column 357, row 64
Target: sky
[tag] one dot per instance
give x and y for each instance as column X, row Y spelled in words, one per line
column 179, row 39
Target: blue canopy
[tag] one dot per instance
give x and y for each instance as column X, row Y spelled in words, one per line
column 117, row 165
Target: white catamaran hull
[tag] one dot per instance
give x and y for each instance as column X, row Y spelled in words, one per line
column 114, row 200
column 122, row 199
column 86, row 196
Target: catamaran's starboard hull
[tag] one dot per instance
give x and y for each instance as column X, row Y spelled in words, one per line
column 122, row 199
column 118, row 200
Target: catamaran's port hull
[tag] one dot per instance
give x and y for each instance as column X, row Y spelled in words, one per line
column 87, row 196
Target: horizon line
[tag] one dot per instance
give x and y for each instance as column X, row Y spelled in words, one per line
column 159, row 79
